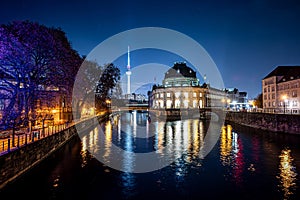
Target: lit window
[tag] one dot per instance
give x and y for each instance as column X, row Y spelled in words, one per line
column 201, row 103
column 186, row 103
column 194, row 94
column 295, row 103
column 195, row 103
column 168, row 94
column 169, row 104
column 186, row 95
column 294, row 93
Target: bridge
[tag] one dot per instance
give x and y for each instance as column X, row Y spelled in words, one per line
column 173, row 113
column 131, row 107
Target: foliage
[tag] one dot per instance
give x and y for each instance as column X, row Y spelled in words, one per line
column 258, row 101
column 94, row 85
column 85, row 86
column 33, row 57
column 107, row 86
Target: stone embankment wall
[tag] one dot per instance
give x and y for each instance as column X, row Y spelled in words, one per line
column 17, row 162
column 284, row 123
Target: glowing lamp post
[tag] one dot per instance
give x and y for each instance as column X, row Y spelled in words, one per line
column 108, row 103
column 284, row 97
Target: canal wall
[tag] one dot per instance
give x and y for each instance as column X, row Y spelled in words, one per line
column 283, row 123
column 18, row 161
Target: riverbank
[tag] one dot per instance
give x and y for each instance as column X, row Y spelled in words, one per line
column 19, row 161
column 279, row 123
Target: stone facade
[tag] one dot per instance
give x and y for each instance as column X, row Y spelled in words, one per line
column 281, row 90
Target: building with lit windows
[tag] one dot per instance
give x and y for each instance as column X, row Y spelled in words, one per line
column 51, row 106
column 181, row 89
column 281, row 90
column 237, row 100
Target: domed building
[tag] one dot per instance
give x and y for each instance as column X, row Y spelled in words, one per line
column 180, row 89
column 180, row 75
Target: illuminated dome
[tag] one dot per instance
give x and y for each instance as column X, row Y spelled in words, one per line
column 180, row 70
column 180, row 75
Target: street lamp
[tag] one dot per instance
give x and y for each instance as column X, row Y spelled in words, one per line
column 228, row 104
column 108, row 103
column 284, row 97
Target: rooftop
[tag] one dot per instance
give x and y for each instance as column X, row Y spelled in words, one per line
column 287, row 72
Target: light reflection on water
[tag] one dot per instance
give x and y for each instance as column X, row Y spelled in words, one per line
column 244, row 164
column 232, row 155
column 287, row 174
column 240, row 157
column 133, row 132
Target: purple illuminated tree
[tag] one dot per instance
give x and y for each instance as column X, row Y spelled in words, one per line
column 33, row 56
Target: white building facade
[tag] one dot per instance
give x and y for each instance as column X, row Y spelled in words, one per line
column 181, row 89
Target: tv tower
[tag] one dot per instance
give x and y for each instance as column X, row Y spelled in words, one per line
column 128, row 73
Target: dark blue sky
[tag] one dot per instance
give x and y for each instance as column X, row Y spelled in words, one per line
column 246, row 40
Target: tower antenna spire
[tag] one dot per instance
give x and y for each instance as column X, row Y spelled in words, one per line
column 128, row 58
column 128, row 72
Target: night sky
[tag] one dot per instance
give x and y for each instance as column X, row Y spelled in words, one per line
column 246, row 40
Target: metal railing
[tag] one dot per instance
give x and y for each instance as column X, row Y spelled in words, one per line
column 19, row 140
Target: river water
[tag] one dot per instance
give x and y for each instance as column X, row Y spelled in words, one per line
column 244, row 164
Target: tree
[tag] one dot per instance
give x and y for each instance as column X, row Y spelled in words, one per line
column 85, row 86
column 258, row 101
column 107, row 86
column 34, row 56
column 94, row 85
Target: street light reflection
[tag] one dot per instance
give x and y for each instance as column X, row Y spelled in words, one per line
column 287, row 175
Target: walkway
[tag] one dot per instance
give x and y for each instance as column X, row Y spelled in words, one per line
column 22, row 137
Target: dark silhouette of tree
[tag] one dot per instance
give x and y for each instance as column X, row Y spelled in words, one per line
column 85, row 86
column 107, row 85
column 94, row 85
column 258, row 101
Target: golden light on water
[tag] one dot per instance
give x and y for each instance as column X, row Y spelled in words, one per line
column 287, row 174
column 108, row 138
column 225, row 144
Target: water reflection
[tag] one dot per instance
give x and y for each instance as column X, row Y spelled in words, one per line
column 133, row 132
column 84, row 152
column 128, row 181
column 228, row 146
column 245, row 164
column 287, row 174
column 231, row 154
column 240, row 156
